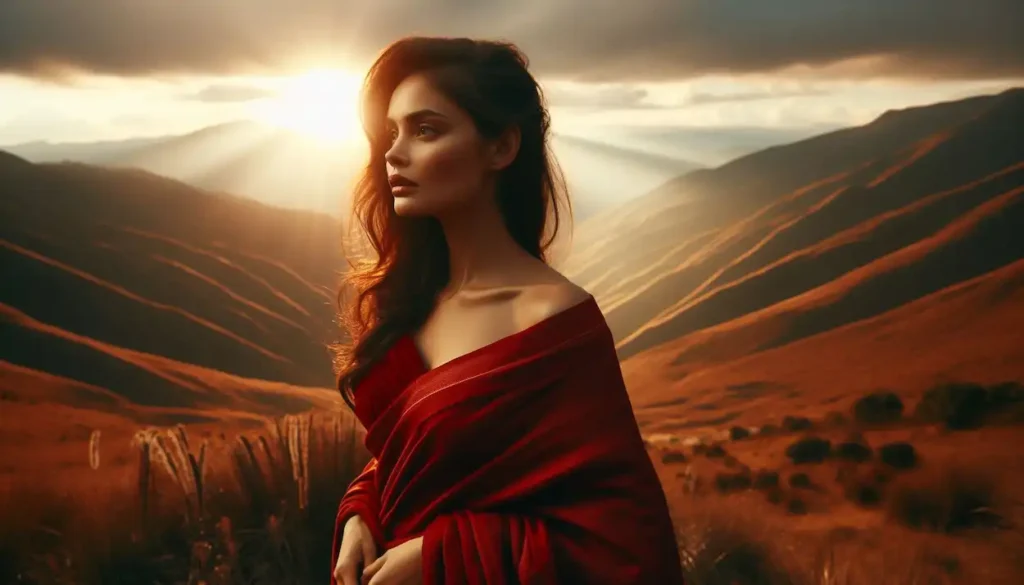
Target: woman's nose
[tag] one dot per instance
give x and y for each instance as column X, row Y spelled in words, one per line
column 395, row 157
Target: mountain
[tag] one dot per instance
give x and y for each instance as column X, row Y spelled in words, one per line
column 271, row 165
column 601, row 175
column 137, row 294
column 140, row 295
column 93, row 152
column 287, row 169
column 797, row 242
column 705, row 146
column 825, row 266
column 970, row 331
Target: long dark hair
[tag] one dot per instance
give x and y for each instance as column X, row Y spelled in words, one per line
column 404, row 264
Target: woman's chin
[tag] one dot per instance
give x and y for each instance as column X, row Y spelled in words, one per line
column 408, row 206
column 420, row 206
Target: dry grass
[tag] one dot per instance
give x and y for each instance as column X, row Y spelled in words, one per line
column 955, row 517
column 733, row 541
column 259, row 507
column 952, row 500
column 251, row 509
column 725, row 545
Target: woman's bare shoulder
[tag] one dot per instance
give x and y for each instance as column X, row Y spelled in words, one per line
column 540, row 301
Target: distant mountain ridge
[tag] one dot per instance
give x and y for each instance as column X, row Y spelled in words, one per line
column 288, row 169
column 132, row 285
column 167, row 296
column 803, row 239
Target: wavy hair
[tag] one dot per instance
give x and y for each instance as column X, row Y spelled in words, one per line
column 393, row 288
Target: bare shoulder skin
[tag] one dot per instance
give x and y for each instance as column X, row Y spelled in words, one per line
column 472, row 319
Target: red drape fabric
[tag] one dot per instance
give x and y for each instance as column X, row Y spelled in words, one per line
column 518, row 463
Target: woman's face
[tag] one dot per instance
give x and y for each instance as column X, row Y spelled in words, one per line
column 438, row 161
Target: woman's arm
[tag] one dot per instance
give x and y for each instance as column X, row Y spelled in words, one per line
column 362, row 498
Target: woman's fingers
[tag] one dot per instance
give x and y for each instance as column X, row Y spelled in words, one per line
column 373, row 569
column 345, row 571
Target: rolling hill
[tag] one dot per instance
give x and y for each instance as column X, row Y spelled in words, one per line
column 136, row 294
column 777, row 253
column 830, row 259
column 242, row 157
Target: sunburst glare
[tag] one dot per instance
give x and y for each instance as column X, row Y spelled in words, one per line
column 320, row 103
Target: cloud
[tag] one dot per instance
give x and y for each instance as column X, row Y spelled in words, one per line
column 230, row 92
column 586, row 40
column 701, row 98
column 612, row 96
column 633, row 97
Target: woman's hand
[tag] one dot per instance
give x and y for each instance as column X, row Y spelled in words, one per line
column 357, row 549
column 402, row 565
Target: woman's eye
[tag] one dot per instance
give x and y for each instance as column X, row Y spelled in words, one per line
column 421, row 130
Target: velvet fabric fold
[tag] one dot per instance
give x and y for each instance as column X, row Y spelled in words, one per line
column 518, row 463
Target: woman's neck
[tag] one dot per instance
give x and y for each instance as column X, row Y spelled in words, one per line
column 481, row 252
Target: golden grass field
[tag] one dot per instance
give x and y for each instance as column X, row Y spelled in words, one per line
column 954, row 517
column 254, row 503
column 181, row 505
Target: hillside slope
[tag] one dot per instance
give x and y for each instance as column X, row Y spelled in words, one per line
column 140, row 291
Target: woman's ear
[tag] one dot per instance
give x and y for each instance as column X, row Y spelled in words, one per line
column 505, row 148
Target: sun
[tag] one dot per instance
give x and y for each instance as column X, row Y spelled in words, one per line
column 321, row 103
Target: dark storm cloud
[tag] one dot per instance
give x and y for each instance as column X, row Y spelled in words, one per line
column 228, row 92
column 583, row 39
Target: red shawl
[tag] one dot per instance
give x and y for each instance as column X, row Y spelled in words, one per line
column 520, row 462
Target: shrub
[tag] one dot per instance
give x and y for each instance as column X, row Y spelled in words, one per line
column 861, row 488
column 878, row 408
column 673, row 457
column 809, row 450
column 796, row 506
column 950, row 500
column 796, row 423
column 768, row 430
column 715, row 452
column 898, row 455
column 731, row 482
column 1005, row 394
column 738, row 433
column 766, row 479
column 956, row 405
column 800, row 481
column 865, row 494
column 852, row 451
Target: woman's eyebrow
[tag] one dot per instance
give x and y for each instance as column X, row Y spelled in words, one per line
column 420, row 114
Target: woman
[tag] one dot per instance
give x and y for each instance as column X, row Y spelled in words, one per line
column 504, row 444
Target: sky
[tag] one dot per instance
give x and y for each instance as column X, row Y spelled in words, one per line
column 75, row 71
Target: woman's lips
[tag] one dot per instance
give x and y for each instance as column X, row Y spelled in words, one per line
column 400, row 185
